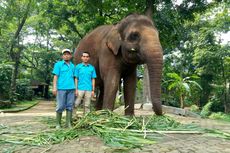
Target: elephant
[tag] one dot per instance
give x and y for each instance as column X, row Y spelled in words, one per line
column 115, row 51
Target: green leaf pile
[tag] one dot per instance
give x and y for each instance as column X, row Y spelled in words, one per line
column 115, row 130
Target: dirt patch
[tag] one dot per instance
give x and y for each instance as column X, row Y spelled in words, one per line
column 35, row 121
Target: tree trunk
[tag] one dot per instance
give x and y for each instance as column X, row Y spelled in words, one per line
column 16, row 59
column 12, row 93
column 15, row 55
column 226, row 90
column 181, row 101
column 149, row 8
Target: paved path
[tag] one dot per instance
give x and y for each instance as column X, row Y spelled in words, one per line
column 171, row 143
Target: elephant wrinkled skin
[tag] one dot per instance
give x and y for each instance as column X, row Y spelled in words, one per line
column 115, row 51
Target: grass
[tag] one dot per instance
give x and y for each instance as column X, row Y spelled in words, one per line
column 20, row 105
column 217, row 134
column 220, row 116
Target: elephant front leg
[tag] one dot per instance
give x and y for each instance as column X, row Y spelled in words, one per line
column 129, row 92
column 111, row 83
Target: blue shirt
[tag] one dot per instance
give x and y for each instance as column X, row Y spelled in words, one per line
column 85, row 74
column 65, row 73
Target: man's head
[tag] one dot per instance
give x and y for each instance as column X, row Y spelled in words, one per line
column 85, row 57
column 66, row 55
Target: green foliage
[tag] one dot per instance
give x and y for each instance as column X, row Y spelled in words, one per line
column 5, row 79
column 217, row 134
column 194, row 108
column 220, row 116
column 139, row 91
column 217, row 104
column 188, row 32
column 115, row 130
column 181, row 86
column 118, row 101
column 206, row 110
column 227, row 64
column 5, row 104
column 170, row 99
column 23, row 89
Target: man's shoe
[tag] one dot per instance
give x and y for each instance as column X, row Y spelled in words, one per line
column 58, row 120
column 68, row 119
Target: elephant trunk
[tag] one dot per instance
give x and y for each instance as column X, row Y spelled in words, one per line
column 154, row 65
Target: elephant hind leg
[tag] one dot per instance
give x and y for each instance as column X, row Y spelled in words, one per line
column 99, row 102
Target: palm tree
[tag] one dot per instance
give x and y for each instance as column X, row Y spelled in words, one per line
column 181, row 86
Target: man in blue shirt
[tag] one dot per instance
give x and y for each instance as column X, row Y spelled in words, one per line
column 64, row 87
column 85, row 75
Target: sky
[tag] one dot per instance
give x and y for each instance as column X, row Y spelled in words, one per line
column 225, row 37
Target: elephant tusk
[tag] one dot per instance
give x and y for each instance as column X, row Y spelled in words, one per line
column 133, row 49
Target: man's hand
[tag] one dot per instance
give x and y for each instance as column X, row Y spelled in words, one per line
column 92, row 93
column 54, row 92
column 55, row 85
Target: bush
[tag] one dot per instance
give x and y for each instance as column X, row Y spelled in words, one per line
column 5, row 79
column 217, row 104
column 206, row 110
column 170, row 100
column 5, row 104
column 23, row 89
column 220, row 116
column 194, row 108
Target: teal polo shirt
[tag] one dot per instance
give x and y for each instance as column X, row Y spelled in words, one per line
column 85, row 74
column 65, row 73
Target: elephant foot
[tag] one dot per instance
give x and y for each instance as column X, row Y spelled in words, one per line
column 129, row 113
column 157, row 111
column 58, row 127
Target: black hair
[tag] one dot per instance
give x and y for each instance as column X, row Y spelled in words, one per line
column 85, row 53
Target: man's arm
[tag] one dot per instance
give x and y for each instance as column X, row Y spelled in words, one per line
column 93, row 86
column 55, row 85
column 76, row 83
column 93, row 81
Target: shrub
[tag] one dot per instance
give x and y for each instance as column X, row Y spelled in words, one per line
column 220, row 116
column 217, row 104
column 206, row 110
column 5, row 104
column 194, row 108
column 5, row 79
column 170, row 100
column 23, row 89
column 217, row 115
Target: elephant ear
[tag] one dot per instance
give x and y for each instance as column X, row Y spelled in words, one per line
column 114, row 40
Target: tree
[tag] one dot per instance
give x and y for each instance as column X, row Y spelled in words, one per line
column 181, row 86
column 18, row 11
column 210, row 54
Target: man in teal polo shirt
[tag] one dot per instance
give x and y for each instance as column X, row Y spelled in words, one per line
column 85, row 75
column 64, row 87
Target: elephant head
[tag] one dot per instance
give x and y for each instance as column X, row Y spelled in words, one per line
column 136, row 39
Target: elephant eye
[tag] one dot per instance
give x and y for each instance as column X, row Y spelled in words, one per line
column 134, row 36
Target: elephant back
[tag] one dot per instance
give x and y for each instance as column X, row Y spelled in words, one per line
column 92, row 43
